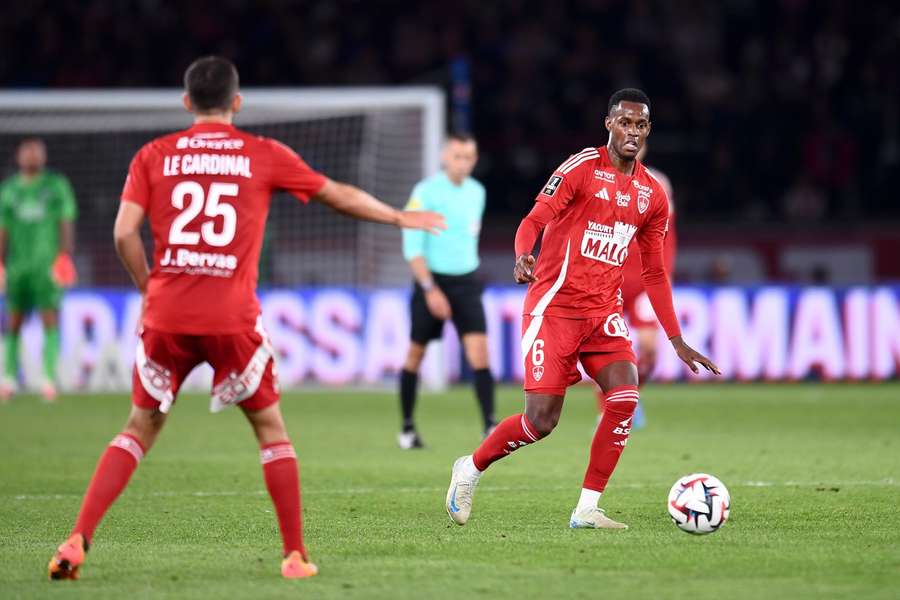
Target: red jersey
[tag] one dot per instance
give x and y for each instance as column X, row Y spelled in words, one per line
column 206, row 192
column 633, row 286
column 598, row 211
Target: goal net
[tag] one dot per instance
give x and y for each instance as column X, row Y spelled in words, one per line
column 383, row 140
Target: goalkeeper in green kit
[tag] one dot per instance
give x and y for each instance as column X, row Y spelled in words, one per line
column 37, row 211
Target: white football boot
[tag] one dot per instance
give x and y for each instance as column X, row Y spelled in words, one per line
column 593, row 518
column 459, row 495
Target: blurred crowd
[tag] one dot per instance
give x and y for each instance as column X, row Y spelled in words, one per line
column 764, row 111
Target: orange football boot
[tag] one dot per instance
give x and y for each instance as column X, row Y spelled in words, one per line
column 294, row 567
column 68, row 558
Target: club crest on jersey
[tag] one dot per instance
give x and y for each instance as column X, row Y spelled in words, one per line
column 643, row 196
column 607, row 176
column 622, row 199
column 552, row 185
column 607, row 244
column 537, row 372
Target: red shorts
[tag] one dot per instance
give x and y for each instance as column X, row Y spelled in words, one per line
column 639, row 312
column 243, row 364
column 552, row 347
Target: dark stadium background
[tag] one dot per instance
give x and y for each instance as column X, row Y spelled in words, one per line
column 776, row 120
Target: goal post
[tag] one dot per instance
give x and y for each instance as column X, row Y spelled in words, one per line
column 382, row 139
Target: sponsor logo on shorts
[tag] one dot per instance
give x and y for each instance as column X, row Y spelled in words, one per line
column 155, row 375
column 537, row 372
column 615, row 326
column 552, row 185
column 608, row 244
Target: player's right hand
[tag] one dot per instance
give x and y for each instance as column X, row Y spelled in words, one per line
column 524, row 269
column 425, row 220
column 437, row 302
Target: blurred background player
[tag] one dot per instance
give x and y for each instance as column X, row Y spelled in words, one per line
column 591, row 208
column 638, row 310
column 206, row 192
column 446, row 282
column 37, row 237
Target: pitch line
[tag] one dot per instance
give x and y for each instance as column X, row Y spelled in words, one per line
column 312, row 491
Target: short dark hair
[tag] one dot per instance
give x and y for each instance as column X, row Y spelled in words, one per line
column 628, row 95
column 460, row 136
column 31, row 139
column 211, row 83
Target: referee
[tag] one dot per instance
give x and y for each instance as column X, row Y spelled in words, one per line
column 446, row 285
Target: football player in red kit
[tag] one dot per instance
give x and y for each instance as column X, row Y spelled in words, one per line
column 589, row 211
column 637, row 310
column 206, row 192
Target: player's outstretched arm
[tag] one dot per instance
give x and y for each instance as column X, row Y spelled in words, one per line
column 130, row 248
column 350, row 200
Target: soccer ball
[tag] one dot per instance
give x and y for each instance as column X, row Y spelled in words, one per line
column 699, row 503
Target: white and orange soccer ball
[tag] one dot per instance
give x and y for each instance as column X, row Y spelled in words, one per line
column 699, row 503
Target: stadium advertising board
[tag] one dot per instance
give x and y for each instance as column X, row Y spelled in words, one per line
column 340, row 336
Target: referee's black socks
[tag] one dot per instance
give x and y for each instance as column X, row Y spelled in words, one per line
column 484, row 389
column 408, row 383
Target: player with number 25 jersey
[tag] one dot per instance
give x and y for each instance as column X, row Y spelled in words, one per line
column 206, row 193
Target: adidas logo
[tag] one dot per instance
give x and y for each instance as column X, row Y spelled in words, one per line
column 602, row 194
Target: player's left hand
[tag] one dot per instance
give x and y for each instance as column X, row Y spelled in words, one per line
column 63, row 271
column 425, row 220
column 691, row 357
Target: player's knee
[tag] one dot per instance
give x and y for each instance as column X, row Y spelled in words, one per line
column 475, row 345
column 414, row 357
column 268, row 424
column 543, row 420
column 145, row 425
column 478, row 359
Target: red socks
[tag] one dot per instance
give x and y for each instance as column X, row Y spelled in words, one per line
column 280, row 470
column 611, row 435
column 124, row 453
column 110, row 477
column 511, row 434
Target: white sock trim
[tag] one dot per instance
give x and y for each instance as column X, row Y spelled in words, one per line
column 469, row 469
column 127, row 443
column 588, row 499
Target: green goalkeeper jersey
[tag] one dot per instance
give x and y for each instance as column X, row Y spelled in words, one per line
column 30, row 213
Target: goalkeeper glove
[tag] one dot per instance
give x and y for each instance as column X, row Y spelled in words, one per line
column 64, row 273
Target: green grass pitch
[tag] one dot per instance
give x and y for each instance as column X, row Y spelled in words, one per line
column 813, row 470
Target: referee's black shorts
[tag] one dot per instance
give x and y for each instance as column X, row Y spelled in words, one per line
column 464, row 294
